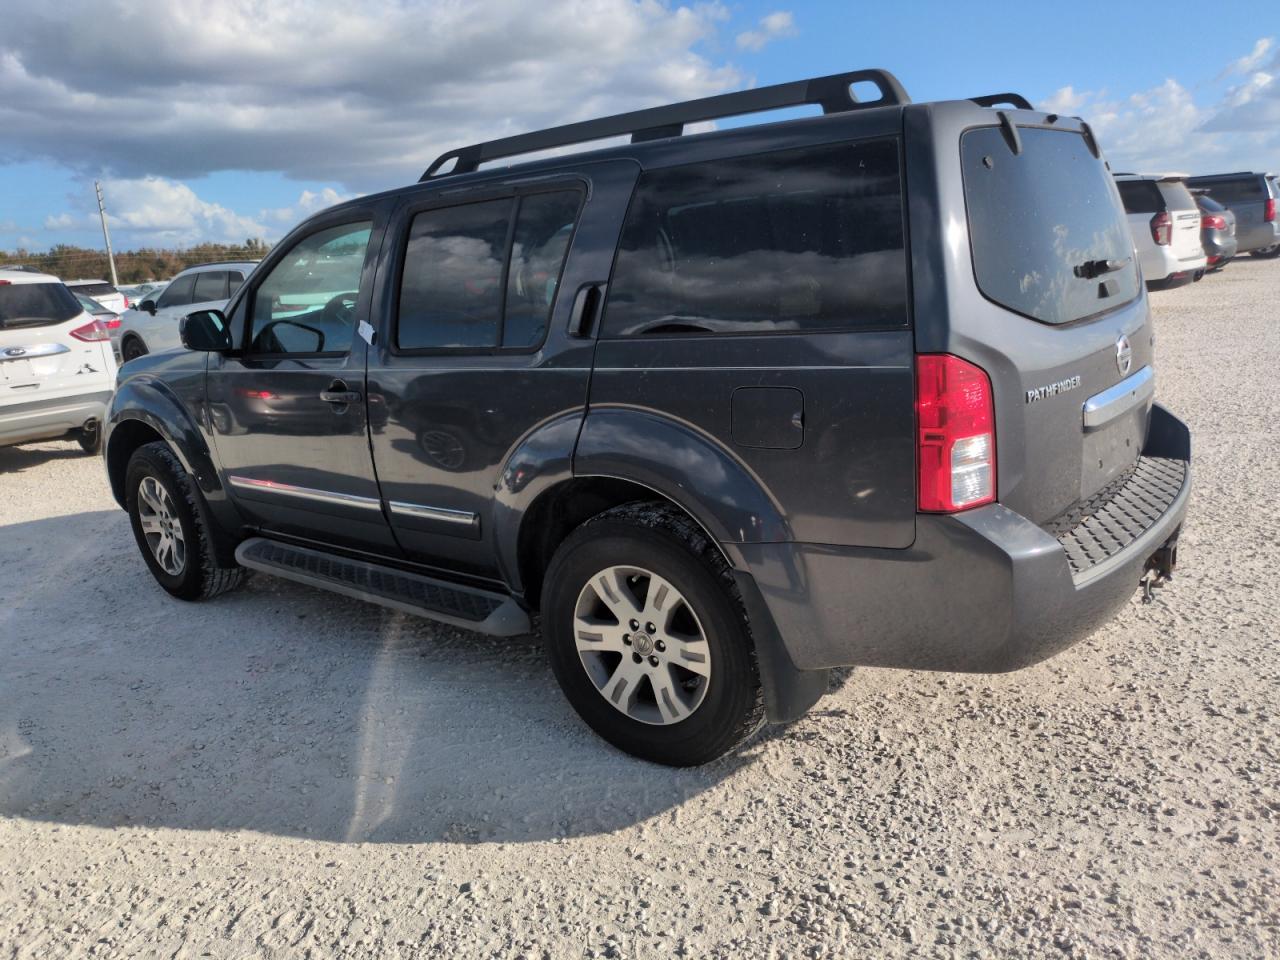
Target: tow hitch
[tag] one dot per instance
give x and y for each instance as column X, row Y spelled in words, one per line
column 1159, row 569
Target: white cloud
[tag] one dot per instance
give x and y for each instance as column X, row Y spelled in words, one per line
column 1253, row 60
column 309, row 202
column 159, row 210
column 771, row 27
column 1165, row 129
column 364, row 95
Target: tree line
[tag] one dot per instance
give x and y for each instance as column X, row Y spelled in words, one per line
column 132, row 266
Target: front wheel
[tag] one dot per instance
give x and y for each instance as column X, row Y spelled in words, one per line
column 170, row 528
column 131, row 349
column 647, row 637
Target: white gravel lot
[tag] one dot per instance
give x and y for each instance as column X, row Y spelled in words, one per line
column 284, row 773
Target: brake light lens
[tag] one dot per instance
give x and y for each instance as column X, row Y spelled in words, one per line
column 111, row 323
column 1162, row 229
column 91, row 332
column 1213, row 221
column 127, row 304
column 1269, row 213
column 956, row 439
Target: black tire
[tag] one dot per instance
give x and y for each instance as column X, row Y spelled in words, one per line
column 90, row 438
column 658, row 538
column 131, row 349
column 1267, row 253
column 201, row 576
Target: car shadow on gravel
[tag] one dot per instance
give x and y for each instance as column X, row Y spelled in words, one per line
column 286, row 710
column 17, row 459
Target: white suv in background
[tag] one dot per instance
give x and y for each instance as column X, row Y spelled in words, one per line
column 1165, row 223
column 57, row 370
column 152, row 325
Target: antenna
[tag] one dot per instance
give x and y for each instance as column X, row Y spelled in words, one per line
column 106, row 234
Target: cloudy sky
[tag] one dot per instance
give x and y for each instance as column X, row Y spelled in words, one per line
column 227, row 119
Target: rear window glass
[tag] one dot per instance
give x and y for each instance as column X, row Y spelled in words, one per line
column 1043, row 222
column 1238, row 190
column 178, row 293
column 794, row 240
column 1177, row 196
column 95, row 289
column 1141, row 196
column 36, row 305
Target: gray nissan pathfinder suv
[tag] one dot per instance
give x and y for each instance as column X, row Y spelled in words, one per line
column 724, row 410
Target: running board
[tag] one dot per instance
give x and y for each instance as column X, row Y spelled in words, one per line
column 480, row 610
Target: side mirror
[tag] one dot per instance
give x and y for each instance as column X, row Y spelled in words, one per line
column 205, row 330
column 148, row 306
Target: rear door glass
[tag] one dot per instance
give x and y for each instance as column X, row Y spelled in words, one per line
column 1042, row 222
column 36, row 305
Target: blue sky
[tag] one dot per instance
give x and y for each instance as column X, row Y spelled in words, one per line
column 239, row 118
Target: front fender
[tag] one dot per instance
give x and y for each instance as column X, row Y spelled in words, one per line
column 685, row 466
column 154, row 403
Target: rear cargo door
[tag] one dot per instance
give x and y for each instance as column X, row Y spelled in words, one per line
column 39, row 358
column 1186, row 220
column 1061, row 323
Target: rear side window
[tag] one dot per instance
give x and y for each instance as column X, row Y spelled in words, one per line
column 797, row 240
column 1041, row 222
column 210, row 285
column 483, row 275
column 234, row 281
column 1141, row 196
column 178, row 293
column 36, row 305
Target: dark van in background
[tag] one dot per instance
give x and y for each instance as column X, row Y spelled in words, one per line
column 1253, row 198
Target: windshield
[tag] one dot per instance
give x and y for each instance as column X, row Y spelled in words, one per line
column 36, row 305
column 1047, row 229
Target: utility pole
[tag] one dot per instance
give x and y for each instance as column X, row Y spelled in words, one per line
column 106, row 234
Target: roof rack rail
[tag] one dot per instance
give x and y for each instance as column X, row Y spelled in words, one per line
column 834, row 94
column 1015, row 100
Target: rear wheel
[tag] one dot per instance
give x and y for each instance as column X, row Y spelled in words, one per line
column 132, row 348
column 648, row 639
column 170, row 527
column 1268, row 253
column 90, row 437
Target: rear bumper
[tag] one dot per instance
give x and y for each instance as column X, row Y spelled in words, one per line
column 47, row 418
column 1259, row 236
column 1220, row 249
column 982, row 591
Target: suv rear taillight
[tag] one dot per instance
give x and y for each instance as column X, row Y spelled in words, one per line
column 1162, row 229
column 1269, row 213
column 91, row 332
column 956, row 439
column 1213, row 221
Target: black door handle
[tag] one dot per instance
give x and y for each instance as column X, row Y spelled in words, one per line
column 339, row 394
column 586, row 308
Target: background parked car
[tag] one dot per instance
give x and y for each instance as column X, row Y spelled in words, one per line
column 1252, row 198
column 1165, row 223
column 153, row 324
column 108, row 317
column 103, row 292
column 1217, row 231
column 137, row 292
column 57, row 370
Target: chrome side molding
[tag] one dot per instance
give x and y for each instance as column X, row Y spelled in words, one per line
column 463, row 518
column 1102, row 408
column 274, row 488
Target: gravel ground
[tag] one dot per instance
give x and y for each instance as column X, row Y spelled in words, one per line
column 284, row 773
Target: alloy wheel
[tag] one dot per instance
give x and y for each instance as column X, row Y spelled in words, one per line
column 642, row 645
column 161, row 526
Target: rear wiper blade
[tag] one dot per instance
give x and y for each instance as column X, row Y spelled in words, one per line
column 1092, row 269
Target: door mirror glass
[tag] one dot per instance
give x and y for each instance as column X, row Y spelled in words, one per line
column 205, row 330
